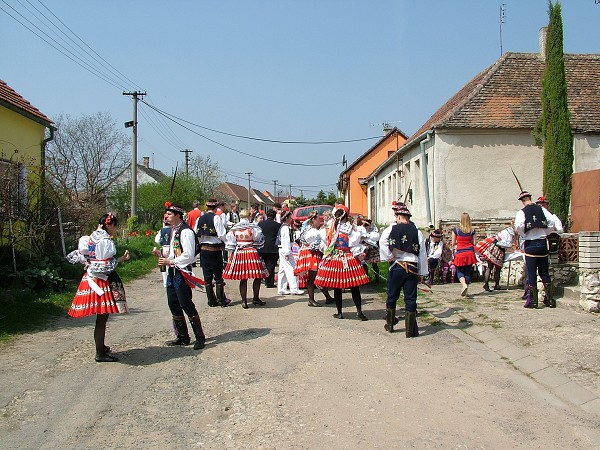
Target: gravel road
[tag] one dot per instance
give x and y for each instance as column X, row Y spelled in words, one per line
column 289, row 376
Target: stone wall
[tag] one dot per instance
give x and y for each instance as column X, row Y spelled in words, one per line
column 589, row 270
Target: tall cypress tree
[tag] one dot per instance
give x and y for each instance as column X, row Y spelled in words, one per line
column 554, row 128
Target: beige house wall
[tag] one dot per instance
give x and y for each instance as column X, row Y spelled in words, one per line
column 586, row 152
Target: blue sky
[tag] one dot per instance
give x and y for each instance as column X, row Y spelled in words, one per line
column 311, row 70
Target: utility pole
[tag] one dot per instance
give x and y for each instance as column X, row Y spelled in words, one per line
column 187, row 160
column 136, row 95
column 290, row 192
column 248, row 173
column 275, row 191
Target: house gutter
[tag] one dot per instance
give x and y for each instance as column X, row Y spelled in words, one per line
column 43, row 164
column 425, row 175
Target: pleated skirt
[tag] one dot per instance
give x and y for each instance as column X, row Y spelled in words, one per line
column 342, row 270
column 245, row 263
column 87, row 302
column 489, row 251
column 307, row 260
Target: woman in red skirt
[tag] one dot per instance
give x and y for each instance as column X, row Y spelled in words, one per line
column 340, row 269
column 245, row 262
column 100, row 291
column 463, row 242
column 310, row 256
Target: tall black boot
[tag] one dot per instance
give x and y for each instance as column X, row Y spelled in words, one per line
column 410, row 322
column 390, row 315
column 198, row 332
column 532, row 298
column 549, row 300
column 210, row 293
column 220, row 295
column 181, row 332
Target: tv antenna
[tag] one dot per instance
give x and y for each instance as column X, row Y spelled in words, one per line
column 386, row 125
column 502, row 21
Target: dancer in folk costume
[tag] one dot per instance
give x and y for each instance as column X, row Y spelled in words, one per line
column 340, row 269
column 533, row 223
column 287, row 263
column 178, row 260
column 492, row 250
column 447, row 264
column 310, row 256
column 402, row 245
column 370, row 242
column 211, row 231
column 100, row 291
column 434, row 247
column 245, row 262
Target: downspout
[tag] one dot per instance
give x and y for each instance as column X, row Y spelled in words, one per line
column 425, row 176
column 374, row 199
column 43, row 171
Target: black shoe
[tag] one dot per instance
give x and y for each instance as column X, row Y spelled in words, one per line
column 199, row 344
column 486, row 287
column 314, row 303
column 361, row 316
column 338, row 316
column 106, row 358
column 258, row 302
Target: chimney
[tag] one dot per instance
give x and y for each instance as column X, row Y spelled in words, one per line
column 146, row 162
column 543, row 32
column 386, row 128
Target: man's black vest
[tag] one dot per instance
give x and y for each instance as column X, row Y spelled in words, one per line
column 177, row 240
column 206, row 224
column 405, row 237
column 534, row 217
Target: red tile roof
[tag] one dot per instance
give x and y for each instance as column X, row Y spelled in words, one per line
column 507, row 96
column 12, row 100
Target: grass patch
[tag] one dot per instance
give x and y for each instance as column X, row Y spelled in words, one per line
column 26, row 308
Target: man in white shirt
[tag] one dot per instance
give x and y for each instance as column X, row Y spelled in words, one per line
column 179, row 295
column 403, row 246
column 533, row 223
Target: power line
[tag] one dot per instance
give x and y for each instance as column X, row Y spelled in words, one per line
column 239, row 151
column 65, row 53
column 172, row 116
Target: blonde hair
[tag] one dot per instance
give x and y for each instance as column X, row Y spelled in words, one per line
column 465, row 223
column 244, row 213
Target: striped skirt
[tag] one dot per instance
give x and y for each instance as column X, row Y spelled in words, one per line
column 307, row 260
column 342, row 270
column 245, row 263
column 489, row 251
column 88, row 302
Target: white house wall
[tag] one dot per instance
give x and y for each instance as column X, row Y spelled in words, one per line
column 472, row 173
column 586, row 152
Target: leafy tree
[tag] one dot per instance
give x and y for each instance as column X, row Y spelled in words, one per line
column 152, row 196
column 321, row 198
column 553, row 130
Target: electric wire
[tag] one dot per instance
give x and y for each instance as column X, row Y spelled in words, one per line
column 241, row 152
column 115, row 70
column 65, row 53
column 172, row 116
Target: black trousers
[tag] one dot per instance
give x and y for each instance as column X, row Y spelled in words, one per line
column 212, row 265
column 270, row 260
column 179, row 295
